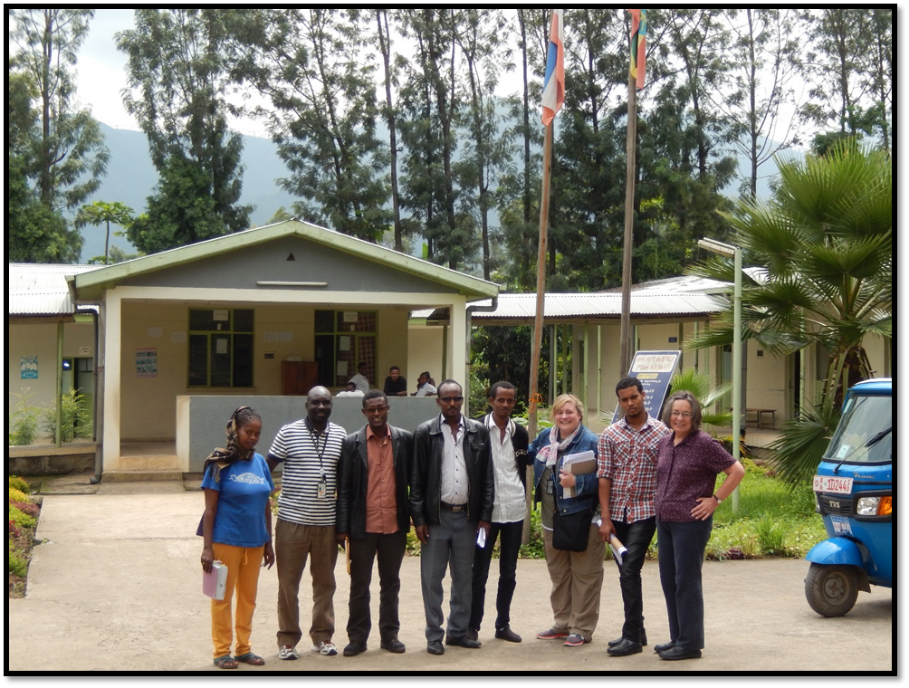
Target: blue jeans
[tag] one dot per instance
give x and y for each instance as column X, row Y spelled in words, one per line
column 509, row 547
column 681, row 547
column 451, row 545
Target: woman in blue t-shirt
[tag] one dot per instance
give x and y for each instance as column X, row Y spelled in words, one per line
column 236, row 527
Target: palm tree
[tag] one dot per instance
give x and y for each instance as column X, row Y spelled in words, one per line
column 825, row 241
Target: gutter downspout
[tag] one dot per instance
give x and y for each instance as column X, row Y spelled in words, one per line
column 97, row 418
column 470, row 311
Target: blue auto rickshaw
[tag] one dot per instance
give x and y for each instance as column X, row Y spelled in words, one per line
column 854, row 493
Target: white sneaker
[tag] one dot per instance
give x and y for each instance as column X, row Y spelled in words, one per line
column 287, row 652
column 326, row 648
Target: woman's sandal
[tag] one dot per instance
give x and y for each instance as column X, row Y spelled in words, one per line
column 226, row 662
column 250, row 658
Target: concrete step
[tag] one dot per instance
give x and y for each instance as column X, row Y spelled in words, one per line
column 141, row 476
column 148, row 462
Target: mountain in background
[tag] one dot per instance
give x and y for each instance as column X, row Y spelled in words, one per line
column 131, row 178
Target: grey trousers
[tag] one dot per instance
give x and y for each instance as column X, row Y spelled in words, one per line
column 451, row 545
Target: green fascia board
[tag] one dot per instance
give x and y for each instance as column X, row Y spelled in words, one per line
column 90, row 285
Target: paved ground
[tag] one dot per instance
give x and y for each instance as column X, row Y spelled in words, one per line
column 117, row 587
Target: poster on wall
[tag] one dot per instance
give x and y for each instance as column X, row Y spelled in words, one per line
column 28, row 367
column 147, row 362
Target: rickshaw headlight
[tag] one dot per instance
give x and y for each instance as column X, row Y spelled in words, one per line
column 874, row 506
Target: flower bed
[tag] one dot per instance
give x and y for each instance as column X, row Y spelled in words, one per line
column 23, row 519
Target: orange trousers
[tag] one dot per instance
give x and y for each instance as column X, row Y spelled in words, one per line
column 243, row 564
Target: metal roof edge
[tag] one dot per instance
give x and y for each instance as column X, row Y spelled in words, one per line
column 465, row 284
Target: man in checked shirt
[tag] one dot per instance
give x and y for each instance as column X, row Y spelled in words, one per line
column 626, row 467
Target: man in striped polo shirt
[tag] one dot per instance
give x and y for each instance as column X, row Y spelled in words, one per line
column 309, row 449
column 626, row 466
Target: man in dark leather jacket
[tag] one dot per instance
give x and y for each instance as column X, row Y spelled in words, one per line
column 451, row 500
column 374, row 513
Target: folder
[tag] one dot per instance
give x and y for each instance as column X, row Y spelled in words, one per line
column 215, row 582
column 581, row 463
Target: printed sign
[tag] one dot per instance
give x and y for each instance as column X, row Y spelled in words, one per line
column 28, row 367
column 655, row 370
column 147, row 362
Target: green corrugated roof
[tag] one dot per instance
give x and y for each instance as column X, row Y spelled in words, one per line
column 90, row 285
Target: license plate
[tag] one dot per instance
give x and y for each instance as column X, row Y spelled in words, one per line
column 840, row 525
column 832, row 484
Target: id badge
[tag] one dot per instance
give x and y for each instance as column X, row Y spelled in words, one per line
column 322, row 489
column 549, row 488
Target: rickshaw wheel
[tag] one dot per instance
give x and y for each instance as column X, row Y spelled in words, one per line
column 831, row 590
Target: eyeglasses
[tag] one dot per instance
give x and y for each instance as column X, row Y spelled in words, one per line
column 449, row 400
column 680, row 414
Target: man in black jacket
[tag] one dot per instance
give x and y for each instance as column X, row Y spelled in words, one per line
column 508, row 442
column 451, row 499
column 373, row 513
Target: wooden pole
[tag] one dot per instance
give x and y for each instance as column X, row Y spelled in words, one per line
column 625, row 335
column 538, row 320
column 541, row 284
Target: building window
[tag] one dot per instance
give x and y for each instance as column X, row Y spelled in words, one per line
column 344, row 340
column 220, row 347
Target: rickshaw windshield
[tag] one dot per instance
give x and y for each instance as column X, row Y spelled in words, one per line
column 864, row 433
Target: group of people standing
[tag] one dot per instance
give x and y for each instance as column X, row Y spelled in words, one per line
column 461, row 483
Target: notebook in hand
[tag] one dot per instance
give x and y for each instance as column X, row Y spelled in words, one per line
column 214, row 583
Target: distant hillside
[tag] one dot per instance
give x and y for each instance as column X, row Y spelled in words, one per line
column 131, row 178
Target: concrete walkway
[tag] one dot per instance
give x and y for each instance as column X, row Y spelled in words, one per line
column 117, row 587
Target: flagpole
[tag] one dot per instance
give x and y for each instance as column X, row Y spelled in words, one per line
column 541, row 282
column 625, row 334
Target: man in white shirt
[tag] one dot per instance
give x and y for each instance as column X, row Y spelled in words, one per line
column 508, row 442
column 360, row 379
column 424, row 387
column 451, row 499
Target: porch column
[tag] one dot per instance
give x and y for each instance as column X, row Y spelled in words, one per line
column 111, row 323
column 458, row 345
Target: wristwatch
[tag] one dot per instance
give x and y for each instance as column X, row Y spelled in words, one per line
column 718, row 500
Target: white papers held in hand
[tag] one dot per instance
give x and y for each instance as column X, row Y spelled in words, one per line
column 581, row 463
column 481, row 538
column 215, row 582
column 618, row 550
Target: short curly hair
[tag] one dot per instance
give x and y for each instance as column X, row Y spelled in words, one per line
column 695, row 409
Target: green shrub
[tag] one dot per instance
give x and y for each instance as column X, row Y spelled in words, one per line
column 771, row 536
column 18, row 483
column 21, row 519
column 413, row 543
column 534, row 549
column 23, row 422
column 75, row 417
column 26, row 508
column 17, row 495
column 17, row 564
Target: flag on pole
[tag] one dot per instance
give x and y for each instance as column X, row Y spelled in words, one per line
column 554, row 82
column 638, row 47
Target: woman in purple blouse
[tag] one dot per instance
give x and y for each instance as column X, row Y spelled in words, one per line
column 687, row 468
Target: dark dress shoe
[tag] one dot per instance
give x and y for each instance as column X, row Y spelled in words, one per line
column 624, row 648
column 393, row 645
column 508, row 634
column 434, row 647
column 463, row 641
column 616, row 641
column 662, row 647
column 354, row 648
column 677, row 652
column 472, row 633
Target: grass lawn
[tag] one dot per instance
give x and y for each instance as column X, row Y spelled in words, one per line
column 771, row 519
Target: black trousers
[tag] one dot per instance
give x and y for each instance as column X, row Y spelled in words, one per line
column 636, row 537
column 509, row 548
column 389, row 549
column 682, row 548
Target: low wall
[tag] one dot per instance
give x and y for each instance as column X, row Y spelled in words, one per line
column 201, row 420
column 42, row 459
